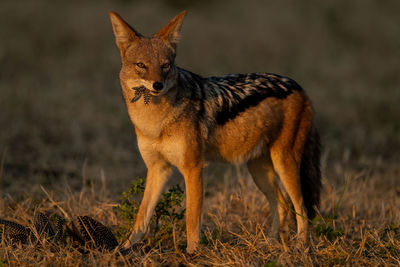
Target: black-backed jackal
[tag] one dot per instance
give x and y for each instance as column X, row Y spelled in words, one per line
column 185, row 120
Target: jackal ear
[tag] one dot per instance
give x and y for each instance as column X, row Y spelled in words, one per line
column 170, row 32
column 124, row 34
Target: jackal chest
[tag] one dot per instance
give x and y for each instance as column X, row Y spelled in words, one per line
column 151, row 129
column 147, row 119
column 168, row 148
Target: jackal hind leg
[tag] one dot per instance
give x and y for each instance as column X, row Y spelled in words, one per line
column 157, row 176
column 264, row 177
column 288, row 171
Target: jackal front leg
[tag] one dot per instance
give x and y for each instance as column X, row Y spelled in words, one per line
column 194, row 204
column 157, row 176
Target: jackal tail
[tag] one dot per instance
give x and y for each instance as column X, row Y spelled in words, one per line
column 310, row 174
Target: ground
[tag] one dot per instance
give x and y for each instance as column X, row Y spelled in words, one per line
column 65, row 131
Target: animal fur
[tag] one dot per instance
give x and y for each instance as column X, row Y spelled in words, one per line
column 264, row 120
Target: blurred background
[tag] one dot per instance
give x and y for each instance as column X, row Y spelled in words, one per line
column 61, row 111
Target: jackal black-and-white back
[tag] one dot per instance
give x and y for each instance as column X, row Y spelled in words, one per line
column 222, row 98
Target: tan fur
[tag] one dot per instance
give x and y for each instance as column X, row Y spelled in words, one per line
column 269, row 136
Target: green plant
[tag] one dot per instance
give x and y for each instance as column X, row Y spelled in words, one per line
column 210, row 238
column 168, row 214
column 272, row 264
column 392, row 228
column 389, row 237
column 326, row 226
column 130, row 206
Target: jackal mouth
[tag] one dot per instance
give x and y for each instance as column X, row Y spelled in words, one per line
column 139, row 91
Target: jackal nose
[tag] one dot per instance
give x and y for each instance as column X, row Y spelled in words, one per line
column 158, row 86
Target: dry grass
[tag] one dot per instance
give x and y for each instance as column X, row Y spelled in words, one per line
column 63, row 125
column 236, row 225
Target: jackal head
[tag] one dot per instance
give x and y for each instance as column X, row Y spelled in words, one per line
column 147, row 61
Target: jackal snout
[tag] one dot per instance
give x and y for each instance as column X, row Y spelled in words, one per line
column 158, row 86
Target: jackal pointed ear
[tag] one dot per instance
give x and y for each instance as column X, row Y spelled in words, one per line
column 124, row 34
column 170, row 32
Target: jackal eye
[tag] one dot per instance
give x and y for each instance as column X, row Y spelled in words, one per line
column 165, row 65
column 141, row 65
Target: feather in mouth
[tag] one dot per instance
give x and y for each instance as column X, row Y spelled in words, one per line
column 139, row 91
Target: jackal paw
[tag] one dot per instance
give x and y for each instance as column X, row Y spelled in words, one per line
column 192, row 248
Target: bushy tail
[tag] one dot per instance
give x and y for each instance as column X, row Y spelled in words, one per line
column 310, row 174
